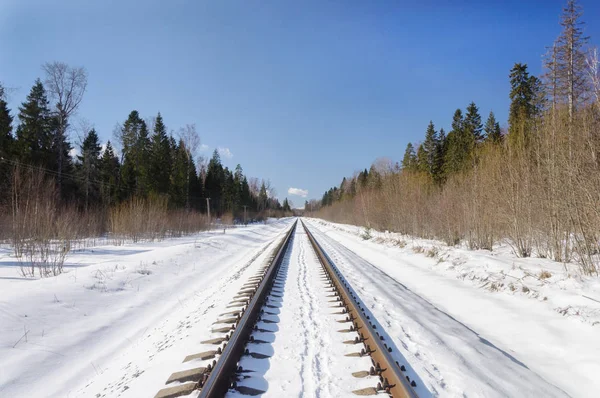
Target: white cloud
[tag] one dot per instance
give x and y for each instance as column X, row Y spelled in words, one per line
column 204, row 148
column 225, row 152
column 298, row 192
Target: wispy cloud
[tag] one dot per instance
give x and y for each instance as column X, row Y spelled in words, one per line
column 225, row 152
column 204, row 148
column 298, row 192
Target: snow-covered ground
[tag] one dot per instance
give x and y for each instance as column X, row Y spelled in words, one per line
column 121, row 319
column 307, row 351
column 477, row 323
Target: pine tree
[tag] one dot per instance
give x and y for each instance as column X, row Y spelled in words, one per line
column 160, row 158
column 458, row 146
column 409, row 161
column 136, row 154
column 215, row 179
column 363, row 178
column 422, row 165
column 523, row 96
column 472, row 126
column 286, row 206
column 440, row 151
column 228, row 191
column 194, row 191
column 6, row 143
column 89, row 167
column 430, row 146
column 238, row 177
column 34, row 133
column 179, row 176
column 246, row 195
column 109, row 176
column 492, row 129
column 263, row 198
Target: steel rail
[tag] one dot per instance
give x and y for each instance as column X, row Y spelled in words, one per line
column 390, row 374
column 222, row 375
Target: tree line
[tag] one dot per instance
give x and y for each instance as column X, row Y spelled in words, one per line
column 535, row 185
column 143, row 161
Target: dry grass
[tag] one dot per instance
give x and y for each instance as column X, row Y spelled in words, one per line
column 545, row 274
column 542, row 196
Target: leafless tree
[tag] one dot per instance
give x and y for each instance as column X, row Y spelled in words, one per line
column 191, row 140
column 570, row 57
column 593, row 63
column 66, row 86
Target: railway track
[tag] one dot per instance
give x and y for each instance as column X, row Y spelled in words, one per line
column 254, row 312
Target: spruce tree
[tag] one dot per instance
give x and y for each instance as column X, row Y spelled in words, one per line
column 136, row 155
column 430, row 146
column 89, row 168
column 458, row 146
column 523, row 109
column 160, row 158
column 492, row 129
column 263, row 197
column 215, row 179
column 440, row 150
column 34, row 133
column 472, row 126
column 6, row 144
column 409, row 160
column 179, row 176
column 109, row 176
column 422, row 165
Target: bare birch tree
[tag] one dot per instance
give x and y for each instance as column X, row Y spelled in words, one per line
column 66, row 86
column 191, row 140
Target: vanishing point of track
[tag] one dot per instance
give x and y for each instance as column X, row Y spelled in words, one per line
column 223, row 374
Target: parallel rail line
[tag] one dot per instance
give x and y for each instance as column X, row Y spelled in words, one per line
column 391, row 379
column 217, row 378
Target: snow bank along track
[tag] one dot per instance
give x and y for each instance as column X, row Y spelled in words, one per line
column 252, row 302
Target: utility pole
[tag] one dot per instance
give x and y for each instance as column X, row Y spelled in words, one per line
column 245, row 207
column 208, row 207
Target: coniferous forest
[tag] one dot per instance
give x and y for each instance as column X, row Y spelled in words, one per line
column 534, row 185
column 145, row 182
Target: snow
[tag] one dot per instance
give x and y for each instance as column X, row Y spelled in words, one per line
column 308, row 352
column 121, row 319
column 461, row 334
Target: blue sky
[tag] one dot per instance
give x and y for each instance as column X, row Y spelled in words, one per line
column 300, row 92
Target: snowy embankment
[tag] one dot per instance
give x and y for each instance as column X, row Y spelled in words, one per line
column 439, row 302
column 103, row 327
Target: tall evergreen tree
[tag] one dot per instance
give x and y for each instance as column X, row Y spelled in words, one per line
column 89, row 168
column 492, row 129
column 34, row 133
column 430, row 146
column 136, row 154
column 440, row 150
column 6, row 143
column 215, row 179
column 458, row 148
column 179, row 176
column 523, row 96
column 109, row 176
column 409, row 161
column 422, row 164
column 160, row 158
column 472, row 125
column 263, row 198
